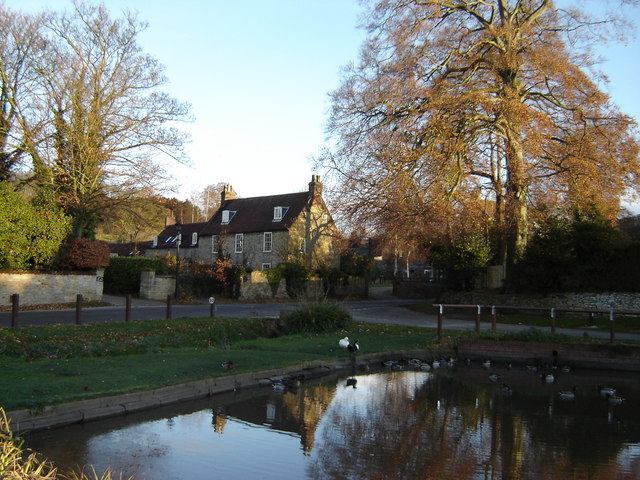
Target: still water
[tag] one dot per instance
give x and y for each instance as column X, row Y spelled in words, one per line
column 450, row 423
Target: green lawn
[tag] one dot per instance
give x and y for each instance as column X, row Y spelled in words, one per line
column 55, row 364
column 46, row 365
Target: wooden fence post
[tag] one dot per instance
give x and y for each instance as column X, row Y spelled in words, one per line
column 127, row 308
column 493, row 318
column 478, row 319
column 79, row 309
column 169, row 301
column 15, row 307
column 612, row 326
column 440, row 314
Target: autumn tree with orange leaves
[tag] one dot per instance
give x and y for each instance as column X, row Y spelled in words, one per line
column 469, row 114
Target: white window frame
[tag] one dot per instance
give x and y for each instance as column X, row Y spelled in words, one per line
column 266, row 266
column 215, row 243
column 194, row 238
column 277, row 214
column 155, row 240
column 227, row 216
column 267, row 241
column 239, row 242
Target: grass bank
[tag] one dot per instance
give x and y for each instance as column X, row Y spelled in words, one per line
column 56, row 364
column 47, row 365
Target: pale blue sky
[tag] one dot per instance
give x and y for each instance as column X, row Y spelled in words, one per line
column 258, row 73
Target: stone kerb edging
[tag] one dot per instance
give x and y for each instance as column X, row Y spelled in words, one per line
column 55, row 416
column 584, row 356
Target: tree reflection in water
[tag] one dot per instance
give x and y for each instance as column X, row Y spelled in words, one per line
column 415, row 425
column 444, row 425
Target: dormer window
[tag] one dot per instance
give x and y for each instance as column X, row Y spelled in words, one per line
column 279, row 212
column 194, row 238
column 227, row 215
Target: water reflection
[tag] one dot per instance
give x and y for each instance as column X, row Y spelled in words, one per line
column 444, row 424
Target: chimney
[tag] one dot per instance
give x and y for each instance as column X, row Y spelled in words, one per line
column 227, row 193
column 315, row 187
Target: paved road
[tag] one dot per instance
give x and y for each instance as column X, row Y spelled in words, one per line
column 380, row 308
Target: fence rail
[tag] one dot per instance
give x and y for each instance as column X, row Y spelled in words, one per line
column 553, row 313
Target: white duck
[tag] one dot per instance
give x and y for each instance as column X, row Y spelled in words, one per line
column 344, row 342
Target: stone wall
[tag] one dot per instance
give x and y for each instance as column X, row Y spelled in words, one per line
column 156, row 287
column 570, row 301
column 45, row 288
column 256, row 287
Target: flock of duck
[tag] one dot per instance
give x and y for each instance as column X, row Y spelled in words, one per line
column 547, row 373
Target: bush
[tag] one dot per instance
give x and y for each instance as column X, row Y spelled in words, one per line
column 122, row 276
column 318, row 318
column 35, row 233
column 85, row 254
column 295, row 276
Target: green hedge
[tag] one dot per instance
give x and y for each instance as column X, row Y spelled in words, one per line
column 122, row 276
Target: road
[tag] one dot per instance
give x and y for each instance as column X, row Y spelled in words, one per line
column 380, row 308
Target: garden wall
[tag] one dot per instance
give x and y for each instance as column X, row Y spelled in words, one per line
column 45, row 288
column 156, row 287
column 255, row 286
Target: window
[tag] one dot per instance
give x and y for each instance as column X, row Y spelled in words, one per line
column 279, row 213
column 266, row 266
column 194, row 238
column 324, row 219
column 215, row 243
column 227, row 215
column 303, row 246
column 239, row 242
column 267, row 242
column 155, row 240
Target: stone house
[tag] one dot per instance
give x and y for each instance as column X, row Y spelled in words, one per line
column 260, row 232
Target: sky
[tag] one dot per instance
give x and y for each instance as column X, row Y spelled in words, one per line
column 258, row 74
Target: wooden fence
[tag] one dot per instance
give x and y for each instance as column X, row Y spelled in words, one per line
column 553, row 314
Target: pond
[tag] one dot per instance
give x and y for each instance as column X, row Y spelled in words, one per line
column 449, row 423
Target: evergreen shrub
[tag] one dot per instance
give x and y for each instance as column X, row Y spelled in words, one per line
column 122, row 276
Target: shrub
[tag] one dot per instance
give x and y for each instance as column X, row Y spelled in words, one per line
column 296, row 276
column 318, row 318
column 35, row 233
column 122, row 276
column 85, row 254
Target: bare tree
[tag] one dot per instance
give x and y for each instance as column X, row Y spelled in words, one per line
column 21, row 46
column 458, row 103
column 208, row 199
column 108, row 123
